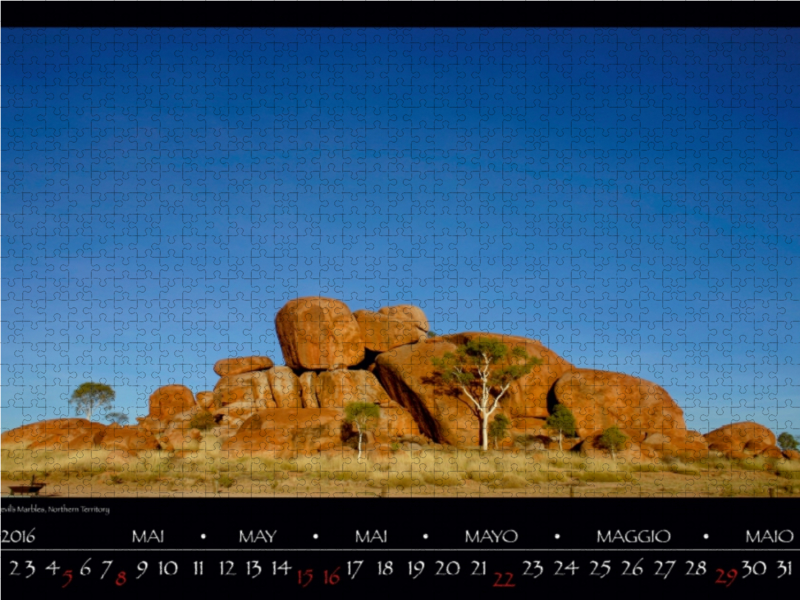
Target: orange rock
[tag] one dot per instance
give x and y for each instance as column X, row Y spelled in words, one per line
column 170, row 400
column 308, row 385
column 407, row 313
column 739, row 440
column 527, row 397
column 791, row 454
column 318, row 333
column 771, row 452
column 336, row 389
column 306, row 430
column 56, row 434
column 245, row 364
column 383, row 331
column 410, row 379
column 229, row 418
column 129, row 439
column 205, row 400
column 285, row 387
column 252, row 387
column 602, row 399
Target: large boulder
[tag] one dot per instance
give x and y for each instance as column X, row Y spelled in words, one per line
column 602, row 399
column 336, row 389
column 244, row 364
column 410, row 379
column 319, row 334
column 308, row 389
column 205, row 400
column 170, row 400
column 229, row 418
column 252, row 387
column 527, row 397
column 285, row 386
column 392, row 327
column 129, row 439
column 739, row 440
column 55, row 434
column 309, row 431
column 791, row 454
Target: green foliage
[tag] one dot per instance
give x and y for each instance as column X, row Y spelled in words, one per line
column 90, row 396
column 612, row 439
column 432, row 334
column 498, row 428
column 202, row 421
column 361, row 413
column 225, row 481
column 118, row 418
column 562, row 420
column 787, row 441
column 463, row 367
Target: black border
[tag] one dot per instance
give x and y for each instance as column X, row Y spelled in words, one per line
column 398, row 14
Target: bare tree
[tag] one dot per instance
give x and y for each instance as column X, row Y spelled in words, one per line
column 483, row 369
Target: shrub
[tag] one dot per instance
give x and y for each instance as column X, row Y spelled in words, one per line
column 225, row 481
column 202, row 421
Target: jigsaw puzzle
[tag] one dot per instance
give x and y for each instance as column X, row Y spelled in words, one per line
column 400, row 262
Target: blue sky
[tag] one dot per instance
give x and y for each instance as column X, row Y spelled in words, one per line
column 628, row 197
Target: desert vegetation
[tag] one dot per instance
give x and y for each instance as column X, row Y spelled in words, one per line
column 409, row 473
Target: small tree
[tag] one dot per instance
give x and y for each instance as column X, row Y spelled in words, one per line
column 498, row 429
column 613, row 440
column 363, row 415
column 787, row 441
column 116, row 417
column 90, row 396
column 483, row 369
column 562, row 421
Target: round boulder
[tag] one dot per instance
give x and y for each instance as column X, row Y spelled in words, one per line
column 245, row 364
column 319, row 334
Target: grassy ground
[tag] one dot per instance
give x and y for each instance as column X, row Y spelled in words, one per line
column 451, row 473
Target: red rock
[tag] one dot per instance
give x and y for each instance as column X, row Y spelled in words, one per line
column 791, row 454
column 244, row 364
column 319, row 333
column 771, row 452
column 602, row 399
column 336, row 389
column 306, row 430
column 129, row 439
column 383, row 331
column 308, row 385
column 739, row 440
column 526, row 397
column 170, row 400
column 285, row 387
column 410, row 379
column 407, row 313
column 230, row 418
column 55, row 434
column 252, row 387
column 205, row 400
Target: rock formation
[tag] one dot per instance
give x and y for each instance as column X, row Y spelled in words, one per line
column 740, row 440
column 170, row 400
column 319, row 333
column 243, row 364
column 334, row 357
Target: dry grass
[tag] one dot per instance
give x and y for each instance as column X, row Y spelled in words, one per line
column 207, row 471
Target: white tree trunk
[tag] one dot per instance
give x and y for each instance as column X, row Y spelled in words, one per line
column 560, row 437
column 359, row 442
column 485, row 431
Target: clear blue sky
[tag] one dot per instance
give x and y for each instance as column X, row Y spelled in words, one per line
column 629, row 197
